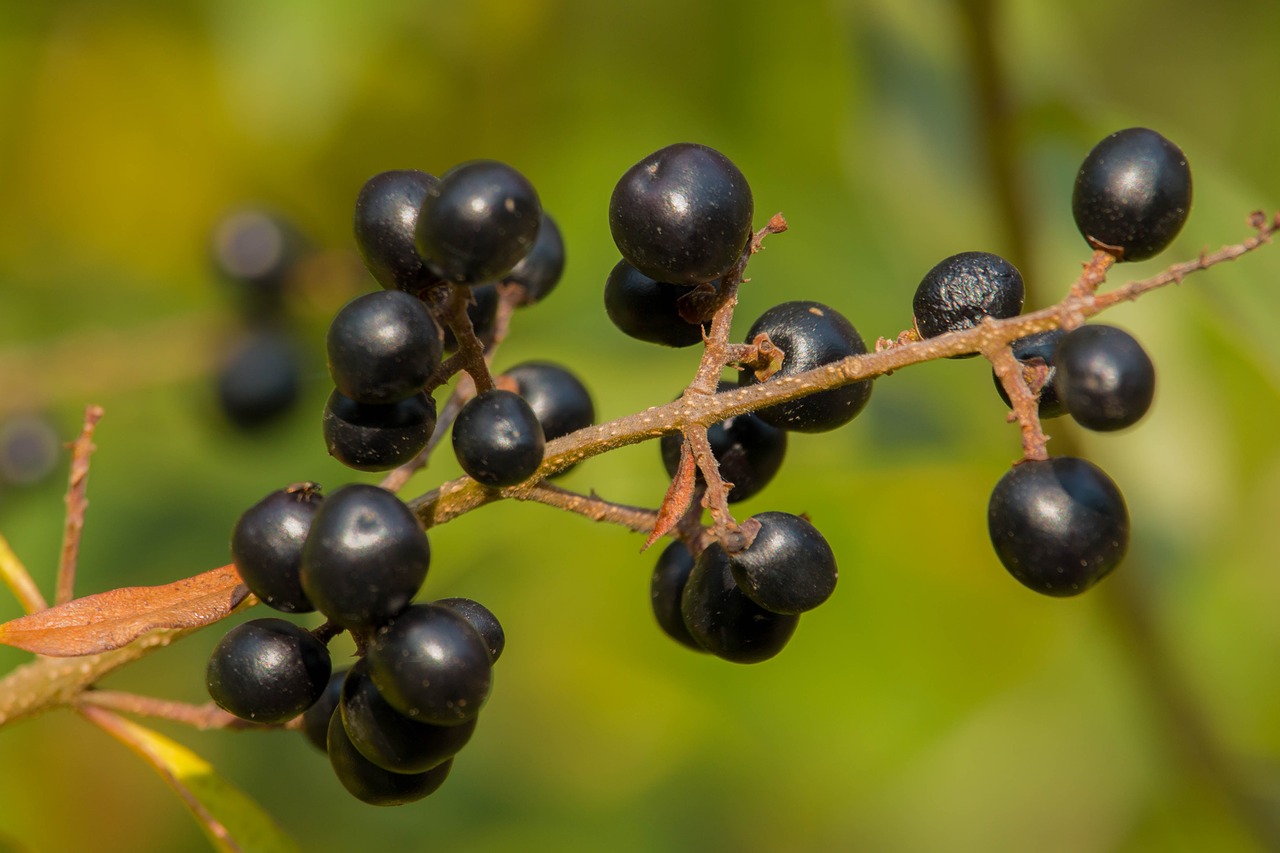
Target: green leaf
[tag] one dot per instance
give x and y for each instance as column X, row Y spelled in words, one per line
column 233, row 822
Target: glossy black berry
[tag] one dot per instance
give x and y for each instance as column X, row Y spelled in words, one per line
column 266, row 546
column 267, row 671
column 315, row 720
column 483, row 313
column 478, row 221
column 430, row 664
column 748, row 450
column 382, row 347
column 260, row 380
column 961, row 291
column 377, row 437
column 723, row 620
column 648, row 310
column 390, row 739
column 1042, row 346
column 811, row 335
column 370, row 783
column 539, row 271
column 558, row 398
column 497, row 438
column 1105, row 378
column 1132, row 194
column 386, row 220
column 482, row 619
column 365, row 558
column 788, row 567
column 682, row 214
column 1058, row 525
column 666, row 588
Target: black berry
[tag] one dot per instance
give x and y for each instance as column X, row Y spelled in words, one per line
column 260, row 380
column 1042, row 346
column 482, row 619
column 1132, row 194
column 377, row 437
column 1058, row 525
column 315, row 720
column 666, row 588
column 431, row 665
column 811, row 335
column 257, row 250
column 648, row 310
column 266, row 546
column 370, row 783
column 723, row 620
column 386, row 220
column 682, row 214
column 788, row 567
column 560, row 401
column 962, row 290
column 478, row 221
column 365, row 558
column 382, row 347
column 267, row 671
column 539, row 271
column 1105, row 378
column 497, row 438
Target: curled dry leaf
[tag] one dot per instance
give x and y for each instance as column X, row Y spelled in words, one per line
column 109, row 620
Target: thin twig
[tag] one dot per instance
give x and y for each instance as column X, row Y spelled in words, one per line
column 203, row 717
column 1025, row 404
column 77, row 485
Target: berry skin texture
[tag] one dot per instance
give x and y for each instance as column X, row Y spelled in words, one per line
column 811, row 334
column 1058, row 525
column 666, row 588
column 723, row 620
column 682, row 214
column 1105, row 378
column 748, row 450
column 648, row 310
column 539, row 271
column 267, row 670
column 788, row 567
column 365, row 558
column 370, row 783
column 478, row 221
column 1133, row 194
column 266, row 546
column 377, row 437
column 962, row 290
column 497, row 438
column 382, row 347
column 1041, row 345
column 431, row 665
column 482, row 619
column 386, row 220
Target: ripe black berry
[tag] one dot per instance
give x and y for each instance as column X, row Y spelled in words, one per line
column 497, row 438
column 266, row 546
column 382, row 347
column 682, row 214
column 666, row 588
column 1058, row 525
column 723, row 620
column 560, row 401
column 267, row 671
column 482, row 619
column 1132, row 194
column 315, row 720
column 1042, row 346
column 811, row 335
column 386, row 220
column 370, row 783
column 431, row 665
column 377, row 437
column 539, row 271
column 1105, row 378
column 390, row 739
column 648, row 310
column 365, row 558
column 788, row 567
column 959, row 292
column 478, row 221
column 748, row 450
column 260, row 380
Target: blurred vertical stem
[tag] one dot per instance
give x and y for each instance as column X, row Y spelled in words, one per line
column 1128, row 602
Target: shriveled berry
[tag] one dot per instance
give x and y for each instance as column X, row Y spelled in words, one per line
column 365, row 558
column 382, row 347
column 377, row 437
column 723, row 620
column 267, row 671
column 1132, row 194
column 788, row 567
column 370, row 783
column 1058, row 525
column 497, row 438
column 811, row 335
column 266, row 546
column 386, row 220
column 666, row 587
column 1105, row 377
column 964, row 289
column 682, row 214
column 648, row 310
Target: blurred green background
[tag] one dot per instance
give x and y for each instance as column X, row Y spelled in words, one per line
column 933, row 704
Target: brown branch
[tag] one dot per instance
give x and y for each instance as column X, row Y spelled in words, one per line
column 1024, row 402
column 203, row 717
column 77, row 485
column 593, row 507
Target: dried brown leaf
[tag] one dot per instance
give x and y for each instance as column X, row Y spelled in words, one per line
column 109, row 620
column 678, row 498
